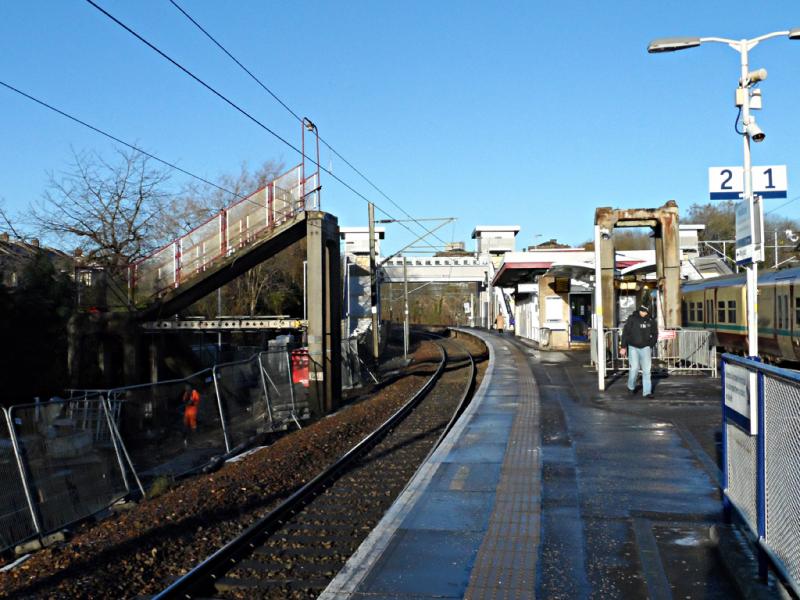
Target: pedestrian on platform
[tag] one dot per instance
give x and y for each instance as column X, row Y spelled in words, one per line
column 191, row 402
column 500, row 323
column 638, row 338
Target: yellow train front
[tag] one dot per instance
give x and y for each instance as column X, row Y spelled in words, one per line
column 720, row 305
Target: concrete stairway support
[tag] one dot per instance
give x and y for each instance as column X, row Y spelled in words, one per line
column 323, row 302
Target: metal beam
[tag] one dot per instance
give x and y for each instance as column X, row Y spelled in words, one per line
column 225, row 324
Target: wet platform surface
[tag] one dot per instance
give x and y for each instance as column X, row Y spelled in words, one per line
column 548, row 488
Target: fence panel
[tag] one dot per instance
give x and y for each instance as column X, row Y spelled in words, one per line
column 16, row 521
column 287, row 399
column 678, row 350
column 782, row 470
column 351, row 366
column 73, row 465
column 155, row 429
column 741, row 462
column 762, row 471
column 245, row 406
column 247, row 219
column 311, row 190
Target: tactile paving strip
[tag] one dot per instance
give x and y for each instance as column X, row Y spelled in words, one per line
column 505, row 566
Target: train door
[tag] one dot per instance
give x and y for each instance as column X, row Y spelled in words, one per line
column 783, row 318
column 708, row 299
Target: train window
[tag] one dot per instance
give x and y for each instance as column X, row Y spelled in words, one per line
column 700, row 311
column 721, row 311
column 710, row 310
column 797, row 311
column 691, row 311
column 685, row 311
column 731, row 311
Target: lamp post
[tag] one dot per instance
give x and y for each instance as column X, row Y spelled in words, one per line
column 751, row 131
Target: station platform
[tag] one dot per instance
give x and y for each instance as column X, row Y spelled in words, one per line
column 548, row 488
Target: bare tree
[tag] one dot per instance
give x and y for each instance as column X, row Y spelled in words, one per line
column 110, row 210
column 6, row 222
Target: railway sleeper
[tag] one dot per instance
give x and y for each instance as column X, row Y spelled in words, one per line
column 280, row 569
column 232, row 584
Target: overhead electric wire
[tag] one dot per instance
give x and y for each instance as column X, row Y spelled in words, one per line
column 116, row 139
column 796, row 198
column 235, row 106
column 296, row 116
column 282, row 213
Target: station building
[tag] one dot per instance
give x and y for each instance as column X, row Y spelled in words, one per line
column 553, row 288
column 545, row 293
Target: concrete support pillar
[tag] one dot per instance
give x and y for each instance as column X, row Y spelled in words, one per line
column 323, row 300
column 607, row 267
column 671, row 260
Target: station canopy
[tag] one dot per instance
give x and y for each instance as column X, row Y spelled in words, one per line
column 576, row 263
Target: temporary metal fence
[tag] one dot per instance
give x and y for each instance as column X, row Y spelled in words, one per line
column 154, row 427
column 69, row 466
column 230, row 230
column 677, row 351
column 64, row 460
column 17, row 520
column 761, row 464
column 352, row 365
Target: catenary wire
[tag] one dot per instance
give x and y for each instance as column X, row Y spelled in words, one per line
column 115, row 138
column 134, row 147
column 295, row 115
column 236, row 107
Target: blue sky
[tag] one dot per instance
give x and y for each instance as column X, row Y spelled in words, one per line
column 528, row 113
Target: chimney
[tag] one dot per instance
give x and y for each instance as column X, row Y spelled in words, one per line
column 4, row 237
column 35, row 242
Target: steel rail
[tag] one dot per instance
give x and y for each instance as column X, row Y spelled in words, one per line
column 205, row 573
column 465, row 397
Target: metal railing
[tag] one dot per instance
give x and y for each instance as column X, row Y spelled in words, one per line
column 64, row 460
column 232, row 229
column 677, row 351
column 761, row 458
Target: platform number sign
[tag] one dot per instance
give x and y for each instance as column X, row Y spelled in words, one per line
column 727, row 183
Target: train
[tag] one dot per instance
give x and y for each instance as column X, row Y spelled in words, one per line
column 720, row 305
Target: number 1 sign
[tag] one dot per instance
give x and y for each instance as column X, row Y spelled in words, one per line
column 727, row 183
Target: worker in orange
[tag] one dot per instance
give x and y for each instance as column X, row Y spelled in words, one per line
column 191, row 401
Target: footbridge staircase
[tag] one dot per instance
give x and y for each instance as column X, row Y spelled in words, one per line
column 214, row 253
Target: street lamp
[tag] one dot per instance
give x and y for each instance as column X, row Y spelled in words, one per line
column 751, row 131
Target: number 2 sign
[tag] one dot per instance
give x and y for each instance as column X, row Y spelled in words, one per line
column 727, row 183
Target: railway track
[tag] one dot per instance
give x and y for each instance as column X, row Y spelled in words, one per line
column 297, row 549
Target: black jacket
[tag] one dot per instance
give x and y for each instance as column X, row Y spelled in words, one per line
column 639, row 332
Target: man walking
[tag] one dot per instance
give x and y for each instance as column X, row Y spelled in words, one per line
column 638, row 338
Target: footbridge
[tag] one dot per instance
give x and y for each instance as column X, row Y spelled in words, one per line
column 236, row 239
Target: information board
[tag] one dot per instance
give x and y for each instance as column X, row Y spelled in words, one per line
column 740, row 394
column 727, row 183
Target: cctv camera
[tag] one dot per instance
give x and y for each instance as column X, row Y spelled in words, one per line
column 754, row 131
column 792, row 236
column 605, row 233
